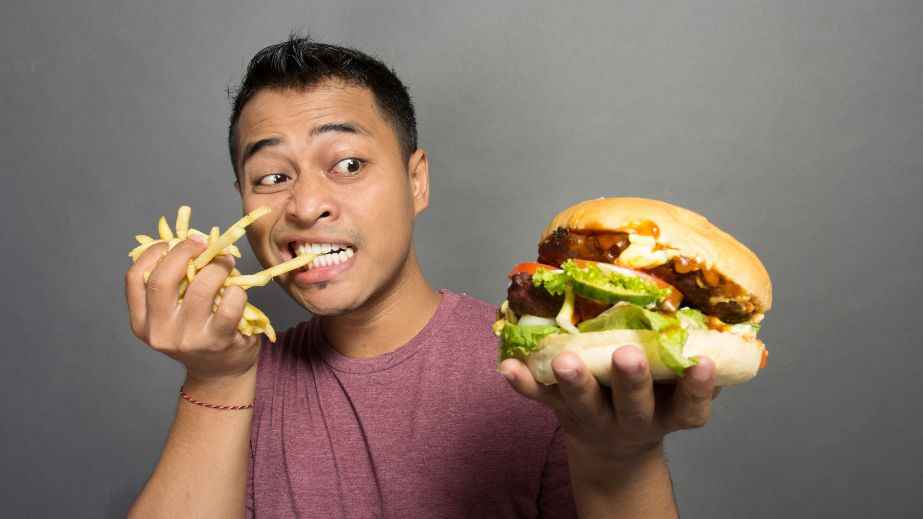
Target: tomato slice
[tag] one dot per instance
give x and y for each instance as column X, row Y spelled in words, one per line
column 529, row 267
column 672, row 301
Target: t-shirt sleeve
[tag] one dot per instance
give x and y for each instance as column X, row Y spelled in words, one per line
column 556, row 499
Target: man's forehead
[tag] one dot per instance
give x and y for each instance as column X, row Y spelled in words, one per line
column 271, row 108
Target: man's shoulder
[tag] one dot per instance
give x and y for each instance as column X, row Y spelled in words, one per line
column 468, row 321
column 463, row 340
column 469, row 309
column 292, row 343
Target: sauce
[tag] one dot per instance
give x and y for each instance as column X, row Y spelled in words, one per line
column 685, row 265
column 643, row 227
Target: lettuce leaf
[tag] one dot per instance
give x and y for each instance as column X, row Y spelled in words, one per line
column 691, row 319
column 627, row 316
column 671, row 349
column 518, row 341
column 553, row 281
column 746, row 329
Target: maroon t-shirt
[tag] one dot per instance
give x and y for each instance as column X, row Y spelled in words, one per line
column 429, row 430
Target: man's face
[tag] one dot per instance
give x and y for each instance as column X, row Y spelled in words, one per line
column 330, row 168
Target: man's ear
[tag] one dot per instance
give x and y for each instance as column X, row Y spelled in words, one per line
column 418, row 166
column 237, row 187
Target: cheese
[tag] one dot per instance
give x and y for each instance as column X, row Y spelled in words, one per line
column 642, row 253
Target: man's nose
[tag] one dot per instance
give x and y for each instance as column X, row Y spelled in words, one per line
column 311, row 201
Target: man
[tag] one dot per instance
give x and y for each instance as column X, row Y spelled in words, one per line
column 388, row 402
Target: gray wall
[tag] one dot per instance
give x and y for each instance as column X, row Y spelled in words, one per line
column 796, row 126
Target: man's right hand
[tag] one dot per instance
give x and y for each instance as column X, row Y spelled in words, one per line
column 207, row 343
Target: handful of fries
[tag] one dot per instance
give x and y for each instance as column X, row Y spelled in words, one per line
column 253, row 321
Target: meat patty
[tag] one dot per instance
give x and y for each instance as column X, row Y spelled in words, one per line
column 719, row 300
column 562, row 244
column 526, row 298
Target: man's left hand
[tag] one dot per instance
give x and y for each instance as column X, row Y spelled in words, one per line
column 631, row 417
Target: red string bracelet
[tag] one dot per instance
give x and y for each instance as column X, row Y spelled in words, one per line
column 191, row 400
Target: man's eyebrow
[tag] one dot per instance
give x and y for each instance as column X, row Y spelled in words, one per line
column 254, row 147
column 345, row 127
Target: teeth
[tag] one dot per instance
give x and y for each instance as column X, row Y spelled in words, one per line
column 325, row 256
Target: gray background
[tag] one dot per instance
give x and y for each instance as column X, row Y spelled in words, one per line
column 794, row 125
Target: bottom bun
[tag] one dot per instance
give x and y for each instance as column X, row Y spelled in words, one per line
column 736, row 358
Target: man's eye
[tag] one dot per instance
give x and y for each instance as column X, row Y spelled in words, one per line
column 349, row 167
column 272, row 179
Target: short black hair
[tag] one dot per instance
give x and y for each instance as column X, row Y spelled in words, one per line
column 301, row 63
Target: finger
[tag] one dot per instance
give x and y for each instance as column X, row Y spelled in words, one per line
column 519, row 376
column 581, row 394
column 691, row 404
column 135, row 291
column 163, row 285
column 223, row 323
column 199, row 299
column 632, row 388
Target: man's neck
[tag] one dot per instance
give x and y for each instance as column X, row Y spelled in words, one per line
column 389, row 321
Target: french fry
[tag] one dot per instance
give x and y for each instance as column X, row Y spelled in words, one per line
column 253, row 320
column 270, row 332
column 182, row 221
column 234, row 233
column 164, row 229
column 244, row 327
column 262, row 278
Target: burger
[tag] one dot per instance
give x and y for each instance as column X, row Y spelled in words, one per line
column 613, row 272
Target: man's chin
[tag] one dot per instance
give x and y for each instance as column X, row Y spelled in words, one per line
column 325, row 299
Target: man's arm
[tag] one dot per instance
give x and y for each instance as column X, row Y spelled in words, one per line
column 636, row 487
column 615, row 439
column 202, row 471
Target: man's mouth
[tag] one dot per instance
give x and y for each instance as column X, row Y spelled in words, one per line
column 328, row 254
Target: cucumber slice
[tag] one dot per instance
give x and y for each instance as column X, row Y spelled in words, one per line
column 611, row 294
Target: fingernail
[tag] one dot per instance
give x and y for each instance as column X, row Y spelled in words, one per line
column 507, row 372
column 638, row 368
column 568, row 374
column 633, row 367
column 700, row 375
column 701, row 372
column 197, row 237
